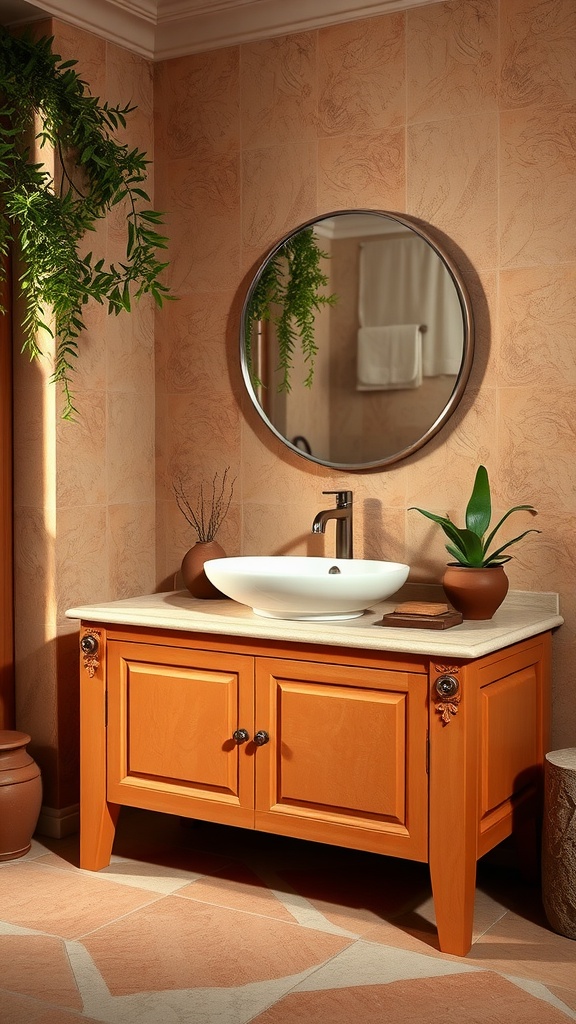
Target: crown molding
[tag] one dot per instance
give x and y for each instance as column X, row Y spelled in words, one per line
column 162, row 29
column 129, row 23
column 192, row 26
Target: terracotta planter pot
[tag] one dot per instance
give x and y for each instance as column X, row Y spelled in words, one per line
column 20, row 795
column 193, row 575
column 477, row 593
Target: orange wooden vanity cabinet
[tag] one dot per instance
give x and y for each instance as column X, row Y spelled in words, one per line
column 400, row 754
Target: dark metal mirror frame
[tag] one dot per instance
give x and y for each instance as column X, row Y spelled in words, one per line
column 467, row 353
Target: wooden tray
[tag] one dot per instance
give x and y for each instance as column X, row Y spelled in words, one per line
column 401, row 620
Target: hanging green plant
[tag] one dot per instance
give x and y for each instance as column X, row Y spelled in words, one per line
column 288, row 295
column 47, row 216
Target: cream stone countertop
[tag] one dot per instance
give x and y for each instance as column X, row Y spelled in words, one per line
column 523, row 614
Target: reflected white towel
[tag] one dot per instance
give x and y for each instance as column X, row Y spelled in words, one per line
column 389, row 358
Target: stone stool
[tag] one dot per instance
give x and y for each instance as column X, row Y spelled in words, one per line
column 559, row 841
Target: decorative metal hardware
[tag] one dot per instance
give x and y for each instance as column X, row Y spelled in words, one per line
column 90, row 645
column 240, row 736
column 447, row 688
column 261, row 738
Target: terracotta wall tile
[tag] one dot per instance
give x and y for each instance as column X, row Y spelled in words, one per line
column 452, row 182
column 130, row 81
column 129, row 342
column 538, row 41
column 537, row 446
column 285, row 529
column 278, row 90
column 193, row 328
column 359, row 171
column 278, row 192
column 130, row 451
column 452, row 59
column 29, row 449
column 81, row 454
column 81, row 557
column 202, row 197
column 88, row 50
column 537, row 185
column 205, row 436
column 197, row 100
column 563, row 700
column 538, row 326
column 33, row 565
column 131, row 559
column 361, row 76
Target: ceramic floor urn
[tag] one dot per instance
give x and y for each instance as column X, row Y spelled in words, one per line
column 20, row 794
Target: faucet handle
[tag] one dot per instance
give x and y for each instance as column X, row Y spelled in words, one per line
column 343, row 498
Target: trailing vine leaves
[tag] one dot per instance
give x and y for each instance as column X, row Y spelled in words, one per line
column 290, row 283
column 43, row 98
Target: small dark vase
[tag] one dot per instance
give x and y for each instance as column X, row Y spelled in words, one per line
column 193, row 575
column 20, row 795
column 477, row 593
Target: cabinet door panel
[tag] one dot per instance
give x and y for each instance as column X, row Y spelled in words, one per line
column 177, row 718
column 351, row 758
column 346, row 760
column 171, row 716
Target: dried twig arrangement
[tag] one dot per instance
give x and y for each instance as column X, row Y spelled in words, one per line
column 209, row 513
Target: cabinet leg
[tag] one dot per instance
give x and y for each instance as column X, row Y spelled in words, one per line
column 453, row 889
column 97, row 831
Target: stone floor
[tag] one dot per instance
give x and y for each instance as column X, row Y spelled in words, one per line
column 195, row 923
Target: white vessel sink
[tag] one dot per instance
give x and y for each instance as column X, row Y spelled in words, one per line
column 293, row 587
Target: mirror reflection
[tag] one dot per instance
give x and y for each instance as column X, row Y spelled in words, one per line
column 375, row 354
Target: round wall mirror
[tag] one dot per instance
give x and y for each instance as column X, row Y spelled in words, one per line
column 356, row 339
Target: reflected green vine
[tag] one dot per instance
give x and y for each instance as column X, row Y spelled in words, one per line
column 291, row 283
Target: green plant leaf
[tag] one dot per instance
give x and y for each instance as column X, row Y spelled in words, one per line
column 97, row 171
column 517, row 508
column 479, row 508
column 288, row 293
column 497, row 554
column 453, row 532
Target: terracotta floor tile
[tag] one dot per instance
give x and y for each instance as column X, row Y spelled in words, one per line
column 476, row 998
column 61, row 903
column 178, row 943
column 158, row 840
column 20, row 1010
column 361, row 891
column 528, row 949
column 565, row 995
column 38, row 965
column 197, row 923
column 240, row 889
column 416, row 928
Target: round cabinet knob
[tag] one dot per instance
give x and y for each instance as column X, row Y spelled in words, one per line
column 447, row 686
column 88, row 644
column 261, row 738
column 240, row 736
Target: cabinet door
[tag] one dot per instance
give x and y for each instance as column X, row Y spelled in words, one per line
column 346, row 759
column 172, row 713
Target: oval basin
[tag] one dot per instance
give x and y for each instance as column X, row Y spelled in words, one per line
column 294, row 587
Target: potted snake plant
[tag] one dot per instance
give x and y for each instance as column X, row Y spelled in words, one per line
column 475, row 582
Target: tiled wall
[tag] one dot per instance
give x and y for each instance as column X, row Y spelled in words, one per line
column 462, row 114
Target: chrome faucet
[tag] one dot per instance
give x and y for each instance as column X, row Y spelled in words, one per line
column 343, row 516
